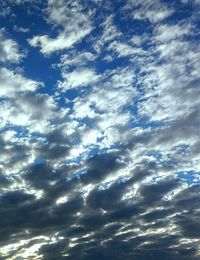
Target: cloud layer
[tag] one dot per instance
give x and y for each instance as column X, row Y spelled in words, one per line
column 99, row 123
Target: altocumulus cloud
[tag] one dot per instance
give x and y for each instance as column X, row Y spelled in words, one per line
column 99, row 130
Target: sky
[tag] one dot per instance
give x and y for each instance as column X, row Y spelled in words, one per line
column 99, row 129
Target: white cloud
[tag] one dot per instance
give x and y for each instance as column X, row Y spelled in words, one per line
column 110, row 32
column 113, row 93
column 12, row 83
column 21, row 105
column 154, row 11
column 171, row 88
column 137, row 40
column 78, row 78
column 31, row 111
column 105, row 104
column 76, row 59
column 75, row 26
column 124, row 49
column 166, row 33
column 21, row 29
column 9, row 50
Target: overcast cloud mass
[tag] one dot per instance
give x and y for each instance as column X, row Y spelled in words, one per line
column 99, row 129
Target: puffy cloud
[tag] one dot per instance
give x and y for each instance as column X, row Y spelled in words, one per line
column 9, row 50
column 78, row 78
column 12, row 83
column 31, row 111
column 105, row 105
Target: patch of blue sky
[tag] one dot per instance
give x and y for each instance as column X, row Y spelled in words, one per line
column 77, row 174
column 145, row 123
column 38, row 68
column 103, row 65
column 74, row 161
column 39, row 161
column 63, row 102
column 32, row 20
column 20, row 131
column 67, row 98
column 130, row 26
column 96, row 149
column 184, row 10
column 161, row 160
column 35, row 65
column 190, row 177
column 183, row 149
column 37, row 135
column 87, row 121
column 91, row 151
column 155, row 154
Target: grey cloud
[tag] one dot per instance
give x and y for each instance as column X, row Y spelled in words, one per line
column 100, row 166
column 3, row 180
column 108, row 199
column 153, row 193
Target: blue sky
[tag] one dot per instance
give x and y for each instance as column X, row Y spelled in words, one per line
column 99, row 129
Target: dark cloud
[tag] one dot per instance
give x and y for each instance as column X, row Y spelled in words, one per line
column 100, row 166
column 3, row 180
column 105, row 224
column 14, row 198
column 54, row 250
column 189, row 224
column 152, row 194
column 39, row 175
column 108, row 199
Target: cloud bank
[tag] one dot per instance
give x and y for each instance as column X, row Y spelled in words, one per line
column 99, row 130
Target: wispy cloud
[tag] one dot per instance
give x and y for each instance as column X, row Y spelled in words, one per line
column 74, row 23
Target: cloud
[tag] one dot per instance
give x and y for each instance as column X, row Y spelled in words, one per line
column 154, row 12
column 12, row 83
column 76, row 59
column 105, row 104
column 99, row 166
column 9, row 50
column 110, row 32
column 101, row 161
column 21, row 29
column 25, row 112
column 74, row 22
column 78, row 78
column 123, row 49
